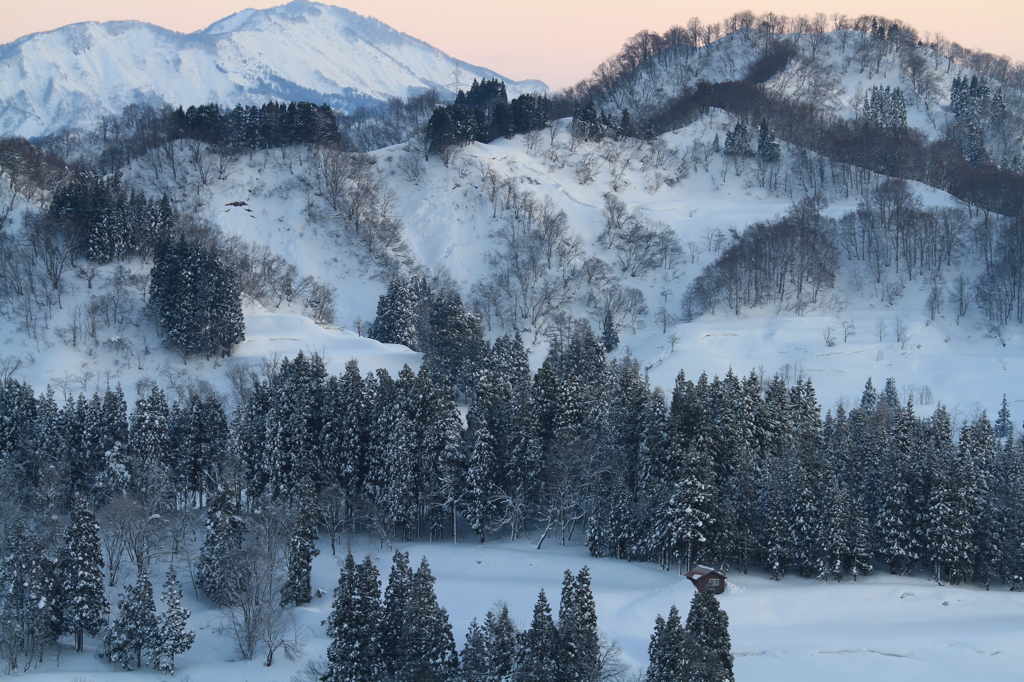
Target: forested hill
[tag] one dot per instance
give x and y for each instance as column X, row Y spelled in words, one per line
column 868, row 91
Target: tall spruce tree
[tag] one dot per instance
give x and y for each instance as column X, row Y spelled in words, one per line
column 768, row 149
column 396, row 624
column 431, row 647
column 539, row 646
column 302, row 547
column 577, row 629
column 501, row 642
column 473, row 663
column 666, row 651
column 196, row 299
column 708, row 624
column 84, row 605
column 397, row 320
column 218, row 568
column 609, row 334
column 355, row 653
column 28, row 595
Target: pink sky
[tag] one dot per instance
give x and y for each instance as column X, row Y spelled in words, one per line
column 557, row 41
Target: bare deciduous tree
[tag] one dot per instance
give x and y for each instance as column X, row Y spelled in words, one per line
column 881, row 328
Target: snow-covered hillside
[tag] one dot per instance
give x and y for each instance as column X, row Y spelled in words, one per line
column 452, row 216
column 72, row 76
column 831, row 67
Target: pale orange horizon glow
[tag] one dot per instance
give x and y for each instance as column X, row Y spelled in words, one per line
column 557, row 41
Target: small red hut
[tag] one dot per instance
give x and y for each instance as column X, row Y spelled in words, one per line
column 703, row 577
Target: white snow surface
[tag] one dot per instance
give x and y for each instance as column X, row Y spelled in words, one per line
column 72, row 76
column 881, row 627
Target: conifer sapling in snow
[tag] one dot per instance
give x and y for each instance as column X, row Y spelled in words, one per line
column 173, row 637
column 136, row 629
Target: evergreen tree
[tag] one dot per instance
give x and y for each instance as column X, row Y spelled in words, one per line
column 84, row 605
column 501, row 643
column 148, row 450
column 860, row 542
column 577, row 629
column 28, row 595
column 834, row 534
column 692, row 510
column 136, row 629
column 396, row 320
column 355, row 653
column 390, row 492
column 302, row 547
column 196, row 299
column 397, row 628
column 978, row 444
column 473, row 663
column 173, row 638
column 768, row 149
column 218, row 567
column 431, row 648
column 708, row 624
column 949, row 524
column 1014, row 557
column 774, row 523
column 895, row 523
column 456, row 341
column 344, row 434
column 1003, row 427
column 666, row 652
column 609, row 335
column 441, row 132
column 539, row 646
column 737, row 141
column 482, row 497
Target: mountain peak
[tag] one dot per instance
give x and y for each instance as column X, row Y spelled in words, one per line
column 303, row 50
column 296, row 11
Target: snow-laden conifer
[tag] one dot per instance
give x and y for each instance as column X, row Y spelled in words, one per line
column 135, row 632
column 174, row 636
column 84, row 604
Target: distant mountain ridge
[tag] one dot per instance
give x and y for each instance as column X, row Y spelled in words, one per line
column 74, row 75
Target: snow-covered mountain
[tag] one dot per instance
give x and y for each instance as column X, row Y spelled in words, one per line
column 304, row 50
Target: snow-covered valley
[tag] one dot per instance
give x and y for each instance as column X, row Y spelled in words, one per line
column 542, row 234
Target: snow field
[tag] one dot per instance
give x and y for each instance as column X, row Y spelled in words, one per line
column 881, row 627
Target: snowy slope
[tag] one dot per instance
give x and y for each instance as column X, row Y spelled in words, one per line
column 300, row 51
column 834, row 71
column 450, row 222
